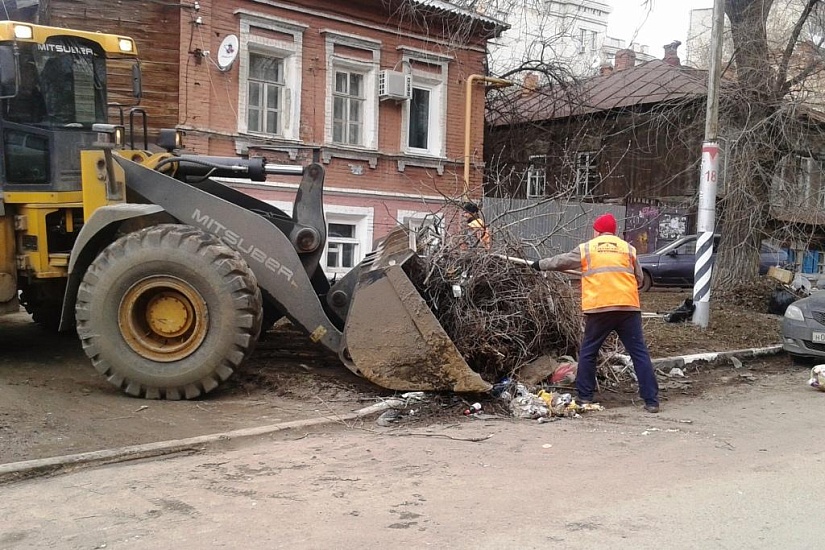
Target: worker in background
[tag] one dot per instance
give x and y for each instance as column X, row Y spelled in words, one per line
column 610, row 281
column 476, row 228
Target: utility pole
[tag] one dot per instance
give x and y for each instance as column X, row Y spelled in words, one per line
column 708, row 180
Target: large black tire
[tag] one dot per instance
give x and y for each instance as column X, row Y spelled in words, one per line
column 168, row 312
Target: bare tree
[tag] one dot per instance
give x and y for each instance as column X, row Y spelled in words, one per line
column 767, row 118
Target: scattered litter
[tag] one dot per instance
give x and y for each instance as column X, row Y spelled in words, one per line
column 676, row 372
column 737, row 364
column 414, row 396
column 547, row 404
column 501, row 387
column 141, row 408
column 547, row 446
column 389, row 417
column 474, row 408
column 686, row 422
column 564, row 374
column 817, row 377
column 681, row 313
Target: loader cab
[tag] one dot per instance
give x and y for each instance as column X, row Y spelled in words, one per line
column 59, row 91
column 53, row 89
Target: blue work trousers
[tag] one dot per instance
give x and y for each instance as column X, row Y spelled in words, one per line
column 628, row 325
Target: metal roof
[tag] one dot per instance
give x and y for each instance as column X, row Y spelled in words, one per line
column 648, row 83
column 449, row 7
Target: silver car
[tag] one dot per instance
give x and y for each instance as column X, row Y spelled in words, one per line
column 803, row 328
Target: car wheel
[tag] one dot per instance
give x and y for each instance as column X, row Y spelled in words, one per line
column 647, row 282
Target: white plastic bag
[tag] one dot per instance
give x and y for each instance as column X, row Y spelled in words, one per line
column 817, row 377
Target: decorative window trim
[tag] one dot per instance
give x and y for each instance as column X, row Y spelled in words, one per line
column 421, row 162
column 426, row 56
column 327, row 153
column 370, row 71
column 291, row 52
column 437, row 83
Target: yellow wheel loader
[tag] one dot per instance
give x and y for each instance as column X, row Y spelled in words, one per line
column 166, row 274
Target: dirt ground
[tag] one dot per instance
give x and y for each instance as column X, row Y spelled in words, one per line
column 52, row 402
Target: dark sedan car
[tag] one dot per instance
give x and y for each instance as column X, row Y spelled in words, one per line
column 803, row 328
column 673, row 264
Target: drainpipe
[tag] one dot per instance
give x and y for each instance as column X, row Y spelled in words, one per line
column 468, row 116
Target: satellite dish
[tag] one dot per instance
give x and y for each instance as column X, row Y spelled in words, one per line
column 228, row 52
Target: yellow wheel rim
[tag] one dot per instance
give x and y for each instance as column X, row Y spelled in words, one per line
column 163, row 318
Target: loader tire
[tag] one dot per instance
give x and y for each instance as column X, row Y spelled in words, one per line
column 168, row 312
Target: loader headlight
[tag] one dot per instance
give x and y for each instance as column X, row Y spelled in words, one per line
column 170, row 139
column 23, row 32
column 126, row 45
column 110, row 134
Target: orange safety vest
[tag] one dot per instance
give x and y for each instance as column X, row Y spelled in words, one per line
column 479, row 231
column 608, row 278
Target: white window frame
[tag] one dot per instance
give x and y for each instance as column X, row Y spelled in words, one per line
column 352, row 128
column 414, row 219
column 436, row 84
column 584, row 177
column 363, row 217
column 264, row 108
column 290, row 51
column 537, row 176
column 368, row 68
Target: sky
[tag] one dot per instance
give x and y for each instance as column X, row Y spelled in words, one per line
column 668, row 21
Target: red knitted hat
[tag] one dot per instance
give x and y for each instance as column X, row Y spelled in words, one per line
column 605, row 223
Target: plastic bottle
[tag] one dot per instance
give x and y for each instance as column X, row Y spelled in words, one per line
column 474, row 408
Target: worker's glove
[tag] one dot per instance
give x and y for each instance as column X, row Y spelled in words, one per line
column 535, row 265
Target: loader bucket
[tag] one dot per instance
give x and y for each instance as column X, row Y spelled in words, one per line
column 392, row 336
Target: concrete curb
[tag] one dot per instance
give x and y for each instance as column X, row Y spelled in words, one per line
column 16, row 471
column 682, row 360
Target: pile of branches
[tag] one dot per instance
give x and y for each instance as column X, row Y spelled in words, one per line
column 500, row 314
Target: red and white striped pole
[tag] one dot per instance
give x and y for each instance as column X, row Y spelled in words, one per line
column 706, row 218
column 703, row 269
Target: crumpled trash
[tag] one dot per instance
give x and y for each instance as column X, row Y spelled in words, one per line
column 528, row 405
column 502, row 387
column 564, row 374
column 681, row 313
column 547, row 404
column 817, row 377
column 389, row 417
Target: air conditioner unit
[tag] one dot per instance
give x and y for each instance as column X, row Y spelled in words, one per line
column 394, row 85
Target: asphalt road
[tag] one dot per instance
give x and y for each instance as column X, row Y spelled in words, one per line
column 735, row 469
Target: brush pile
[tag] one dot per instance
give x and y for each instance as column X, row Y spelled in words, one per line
column 500, row 314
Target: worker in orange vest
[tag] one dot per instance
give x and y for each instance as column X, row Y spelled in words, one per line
column 476, row 228
column 610, row 283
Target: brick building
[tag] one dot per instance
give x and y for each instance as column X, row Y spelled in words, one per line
column 297, row 81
